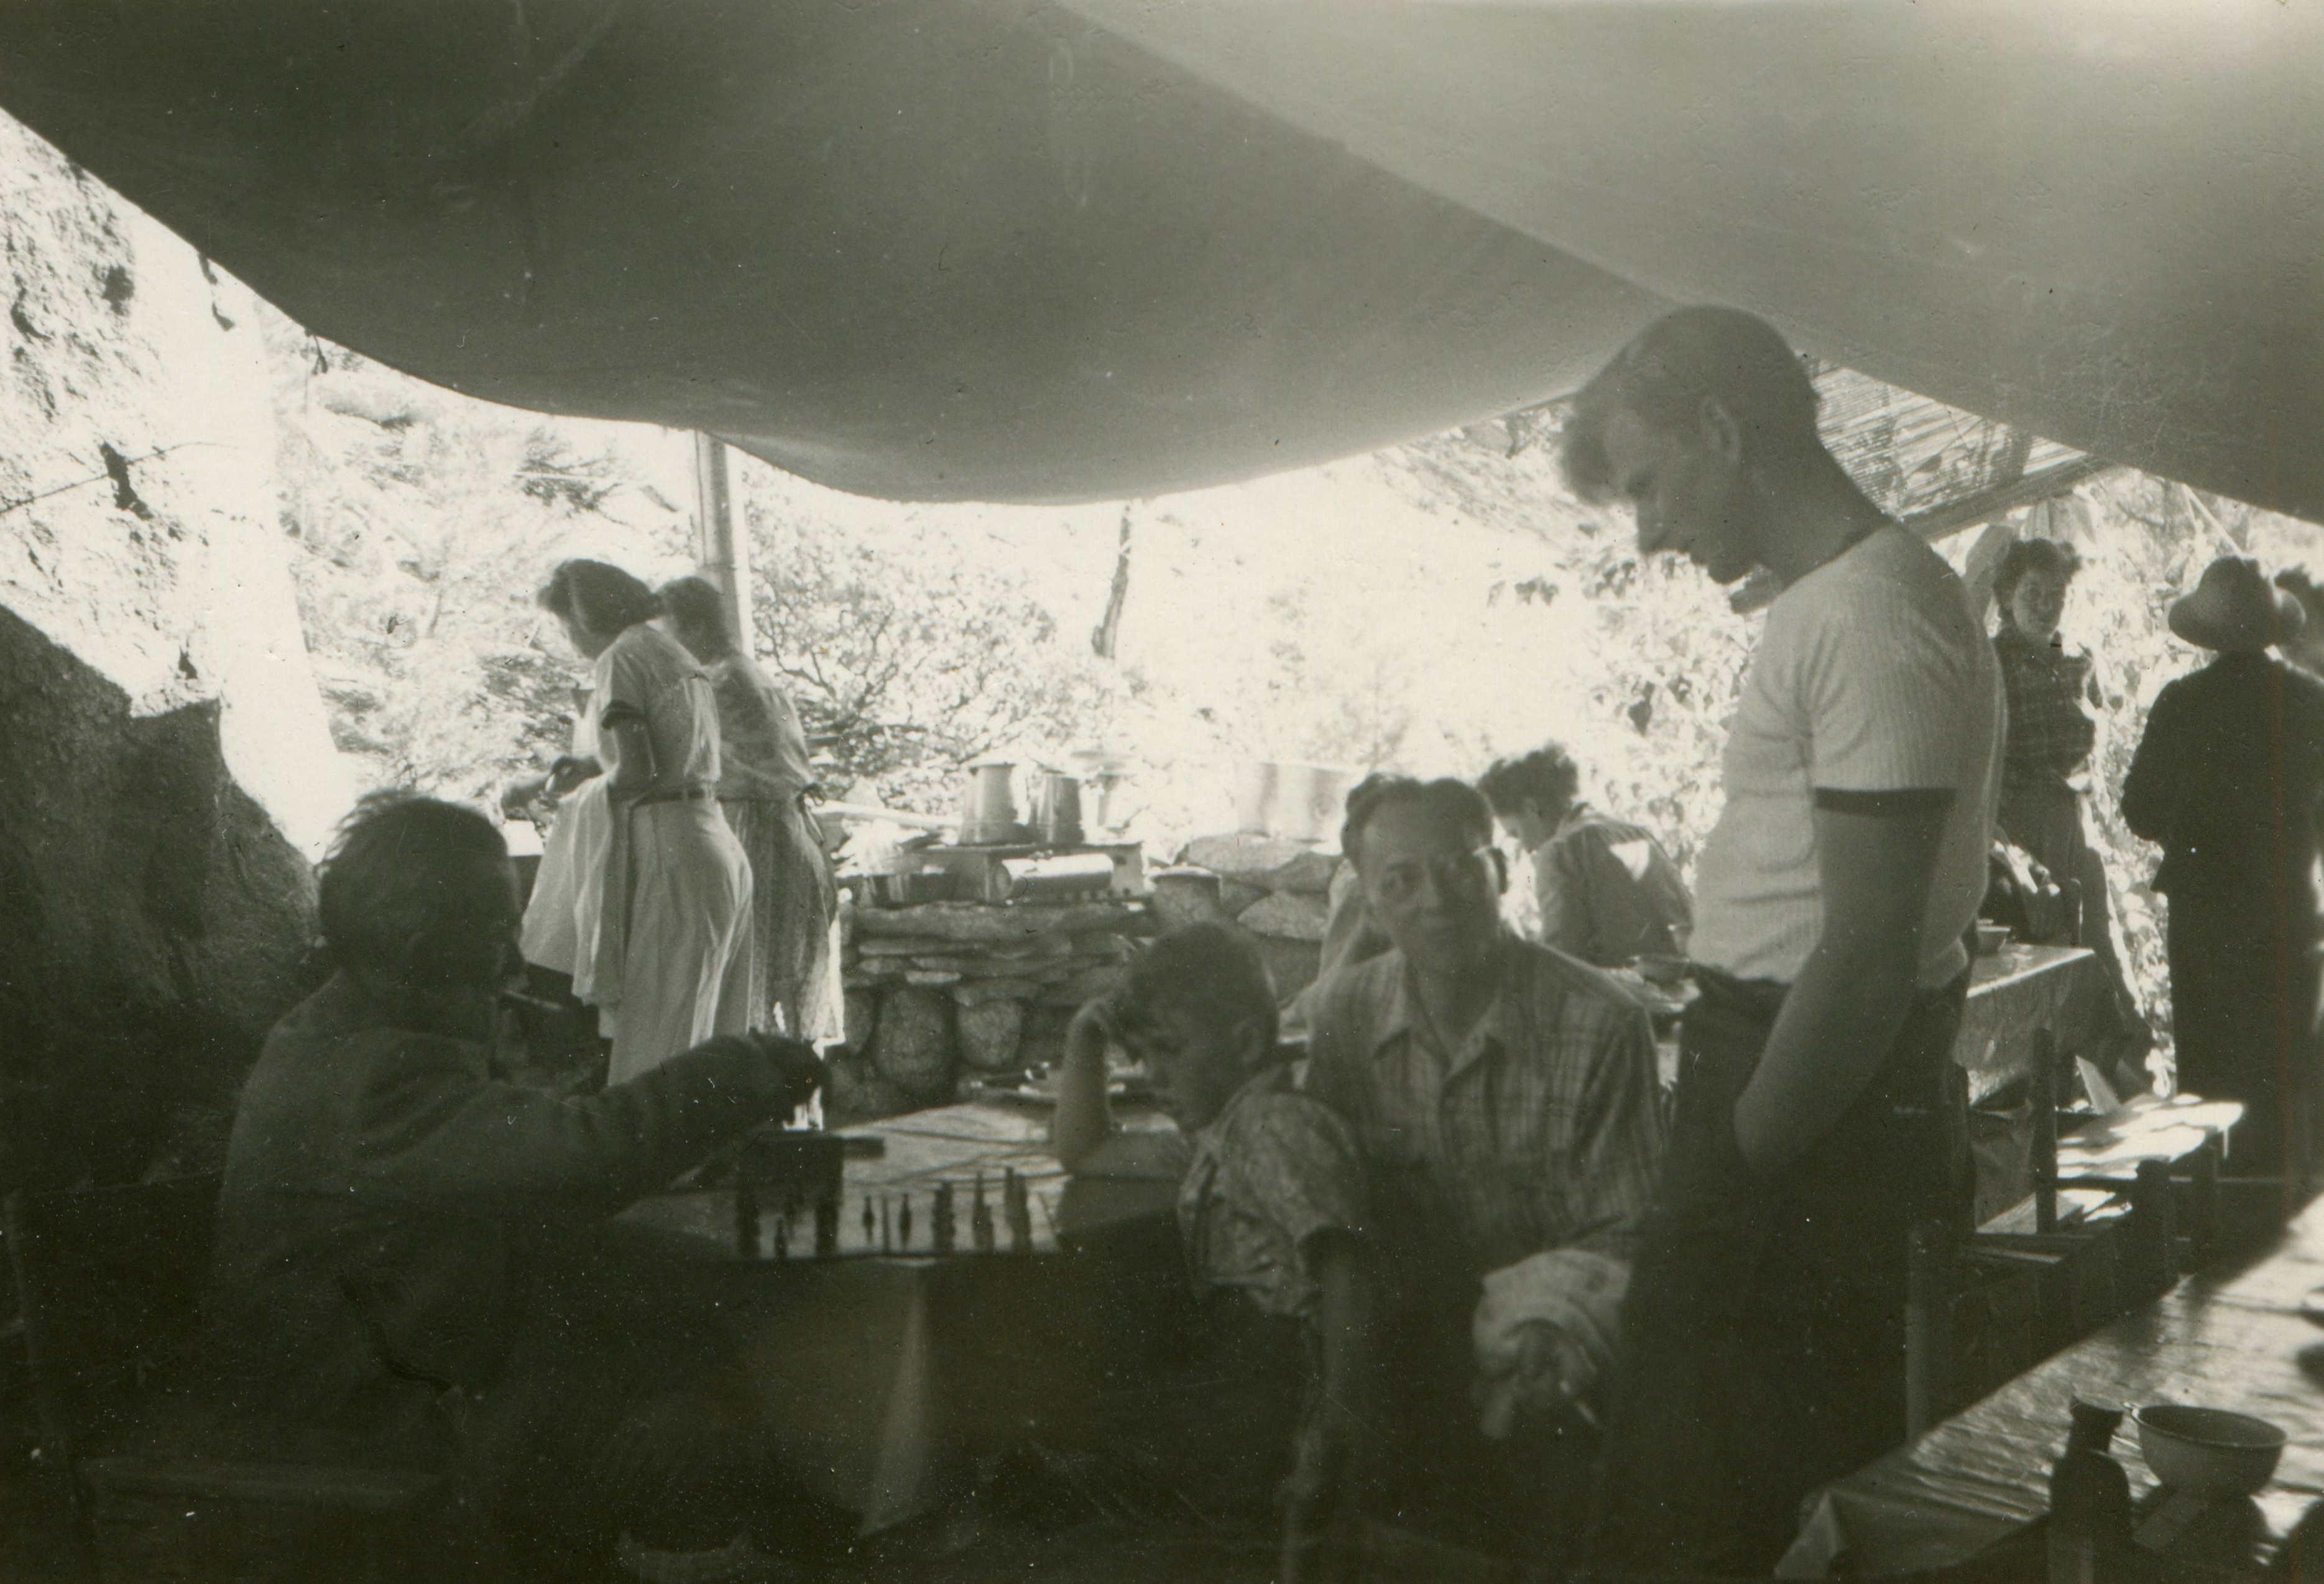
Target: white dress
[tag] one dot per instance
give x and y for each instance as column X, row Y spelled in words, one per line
column 652, row 907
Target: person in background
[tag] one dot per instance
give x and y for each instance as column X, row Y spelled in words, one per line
column 1270, row 1202
column 412, row 1257
column 2227, row 780
column 1820, row 1115
column 763, row 784
column 2051, row 735
column 1609, row 893
column 666, row 954
column 1503, row 1100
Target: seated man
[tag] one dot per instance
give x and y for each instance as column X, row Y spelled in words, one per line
column 410, row 1257
column 1609, row 893
column 1270, row 1204
column 1503, row 1099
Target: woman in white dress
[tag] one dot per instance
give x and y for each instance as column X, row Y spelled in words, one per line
column 662, row 935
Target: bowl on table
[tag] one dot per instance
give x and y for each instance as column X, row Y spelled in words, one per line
column 1991, row 938
column 2208, row 1451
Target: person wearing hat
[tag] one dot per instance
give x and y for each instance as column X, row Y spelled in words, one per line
column 2227, row 781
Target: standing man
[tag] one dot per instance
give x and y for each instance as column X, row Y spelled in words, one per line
column 2227, row 780
column 1609, row 894
column 1819, row 1113
column 1502, row 1099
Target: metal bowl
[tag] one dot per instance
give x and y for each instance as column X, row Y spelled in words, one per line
column 2209, row 1450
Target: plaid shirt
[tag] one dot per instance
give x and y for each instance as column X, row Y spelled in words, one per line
column 1275, row 1169
column 1541, row 1132
column 2050, row 734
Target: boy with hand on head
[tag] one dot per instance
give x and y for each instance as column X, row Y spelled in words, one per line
column 1270, row 1200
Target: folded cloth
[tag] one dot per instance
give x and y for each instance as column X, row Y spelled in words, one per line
column 1545, row 1333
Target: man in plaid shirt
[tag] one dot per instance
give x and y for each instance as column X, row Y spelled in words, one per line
column 1502, row 1096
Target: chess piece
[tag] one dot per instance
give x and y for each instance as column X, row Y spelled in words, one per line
column 887, row 1243
column 826, row 1226
column 904, row 1224
column 980, row 1219
column 782, row 1236
column 746, row 1213
column 942, row 1214
column 871, row 1222
column 1018, row 1207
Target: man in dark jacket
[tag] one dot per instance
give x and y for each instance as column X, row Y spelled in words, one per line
column 2227, row 780
column 414, row 1255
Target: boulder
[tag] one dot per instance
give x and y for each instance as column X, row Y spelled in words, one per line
column 1292, row 965
column 991, row 1033
column 858, row 1093
column 1286, row 916
column 1238, row 896
column 1084, row 987
column 912, row 1048
column 978, row 992
column 1308, row 875
column 861, row 1014
column 1189, row 897
column 1017, row 923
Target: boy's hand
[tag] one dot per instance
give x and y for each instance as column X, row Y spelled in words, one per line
column 1088, row 1035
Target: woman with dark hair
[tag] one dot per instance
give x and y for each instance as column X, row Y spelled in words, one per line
column 662, row 935
column 763, row 784
column 2049, row 744
column 1609, row 893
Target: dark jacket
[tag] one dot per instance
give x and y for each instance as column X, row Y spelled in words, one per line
column 2227, row 780
column 384, row 1197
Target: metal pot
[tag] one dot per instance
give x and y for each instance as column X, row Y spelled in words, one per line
column 988, row 803
column 1057, row 809
column 1298, row 801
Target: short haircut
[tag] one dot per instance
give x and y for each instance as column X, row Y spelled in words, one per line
column 1547, row 776
column 698, row 606
column 1213, row 968
column 603, row 598
column 1665, row 375
column 2025, row 555
column 1445, row 798
column 406, row 867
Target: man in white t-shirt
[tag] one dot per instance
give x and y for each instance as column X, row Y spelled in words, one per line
column 1819, row 1114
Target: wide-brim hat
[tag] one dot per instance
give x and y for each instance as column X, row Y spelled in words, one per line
column 2236, row 609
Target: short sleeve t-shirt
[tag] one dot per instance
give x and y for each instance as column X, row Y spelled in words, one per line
column 1872, row 676
column 647, row 674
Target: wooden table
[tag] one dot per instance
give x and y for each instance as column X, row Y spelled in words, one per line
column 2014, row 993
column 2231, row 1339
column 882, row 1370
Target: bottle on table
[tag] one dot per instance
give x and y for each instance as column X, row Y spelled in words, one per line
column 2089, row 1530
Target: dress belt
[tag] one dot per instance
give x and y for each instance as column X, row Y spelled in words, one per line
column 697, row 794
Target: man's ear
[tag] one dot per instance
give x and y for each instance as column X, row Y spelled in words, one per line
column 1248, row 1040
column 1719, row 431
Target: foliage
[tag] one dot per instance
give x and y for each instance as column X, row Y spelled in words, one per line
column 910, row 653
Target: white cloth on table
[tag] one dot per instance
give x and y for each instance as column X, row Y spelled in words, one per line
column 1575, row 1291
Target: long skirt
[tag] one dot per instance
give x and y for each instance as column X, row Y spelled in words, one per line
column 684, row 971
column 2047, row 822
column 793, row 902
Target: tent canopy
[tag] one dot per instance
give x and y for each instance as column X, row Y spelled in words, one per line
column 1013, row 250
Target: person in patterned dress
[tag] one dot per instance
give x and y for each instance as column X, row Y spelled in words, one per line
column 1271, row 1199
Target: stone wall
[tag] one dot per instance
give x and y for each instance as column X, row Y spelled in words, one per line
column 168, row 772
column 1276, row 889
column 945, row 991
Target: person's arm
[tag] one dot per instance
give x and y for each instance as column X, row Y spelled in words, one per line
column 1876, row 860
column 2150, row 791
column 1618, row 1142
column 437, row 1134
column 1333, row 1461
column 1084, row 1118
column 631, row 745
column 1560, row 885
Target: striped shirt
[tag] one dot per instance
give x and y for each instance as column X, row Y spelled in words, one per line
column 1540, row 1132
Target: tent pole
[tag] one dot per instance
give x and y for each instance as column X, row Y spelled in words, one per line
column 719, row 552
